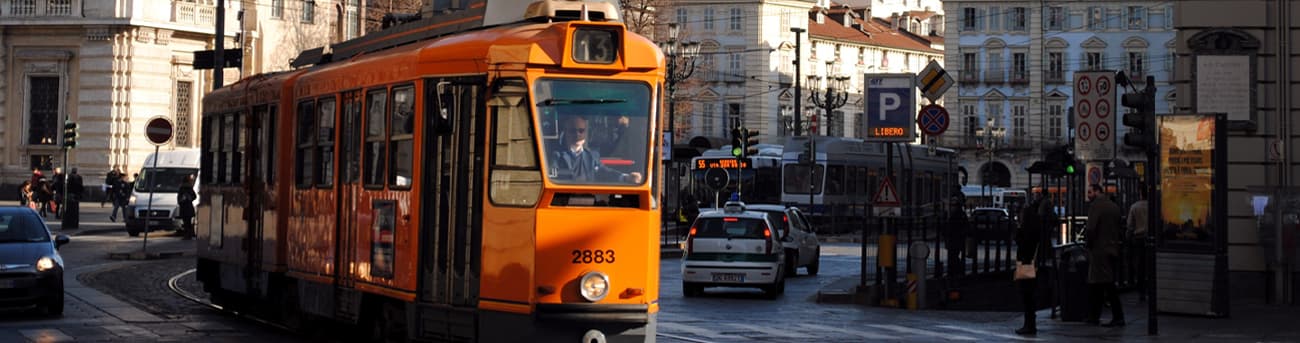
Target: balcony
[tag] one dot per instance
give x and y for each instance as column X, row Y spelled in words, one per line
column 724, row 76
column 995, row 77
column 201, row 13
column 42, row 8
column 970, row 76
column 1054, row 76
column 1019, row 77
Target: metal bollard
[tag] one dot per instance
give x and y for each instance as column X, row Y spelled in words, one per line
column 917, row 254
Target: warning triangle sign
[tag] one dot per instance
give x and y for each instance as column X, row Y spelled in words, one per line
column 887, row 195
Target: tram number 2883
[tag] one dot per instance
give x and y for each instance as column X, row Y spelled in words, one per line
column 592, row 256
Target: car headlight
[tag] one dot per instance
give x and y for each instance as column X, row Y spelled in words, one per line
column 44, row 264
column 131, row 199
column 594, row 286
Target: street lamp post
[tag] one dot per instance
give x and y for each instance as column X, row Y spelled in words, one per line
column 798, row 89
column 991, row 135
column 681, row 65
column 834, row 96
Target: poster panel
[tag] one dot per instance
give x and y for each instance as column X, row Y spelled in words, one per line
column 1187, row 201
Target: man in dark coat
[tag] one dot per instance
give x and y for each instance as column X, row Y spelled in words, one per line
column 956, row 232
column 185, row 207
column 1102, row 235
column 1029, row 240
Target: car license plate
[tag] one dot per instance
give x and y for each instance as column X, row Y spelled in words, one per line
column 158, row 222
column 5, row 284
column 728, row 277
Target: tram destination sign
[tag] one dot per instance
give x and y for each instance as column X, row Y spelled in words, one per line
column 722, row 162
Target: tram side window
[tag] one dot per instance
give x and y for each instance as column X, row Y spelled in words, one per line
column 835, row 180
column 516, row 179
column 306, row 137
column 351, row 165
column 208, row 148
column 236, row 145
column 269, row 143
column 227, row 142
column 376, row 128
column 401, row 143
column 325, row 143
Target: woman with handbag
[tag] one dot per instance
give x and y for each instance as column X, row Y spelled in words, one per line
column 1028, row 240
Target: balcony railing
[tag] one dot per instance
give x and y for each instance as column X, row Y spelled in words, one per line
column 38, row 8
column 725, row 76
column 1019, row 77
column 970, row 76
column 995, row 77
column 200, row 13
column 1055, row 76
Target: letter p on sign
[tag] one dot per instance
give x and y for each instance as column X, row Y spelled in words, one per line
column 889, row 102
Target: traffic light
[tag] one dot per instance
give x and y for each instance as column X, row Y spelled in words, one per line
column 737, row 142
column 69, row 134
column 1141, row 120
column 806, row 156
column 751, row 143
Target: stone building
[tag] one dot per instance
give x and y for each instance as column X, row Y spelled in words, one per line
column 111, row 65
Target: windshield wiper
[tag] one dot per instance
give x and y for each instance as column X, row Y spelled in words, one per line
column 554, row 102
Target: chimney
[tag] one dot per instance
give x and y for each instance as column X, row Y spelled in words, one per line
column 893, row 20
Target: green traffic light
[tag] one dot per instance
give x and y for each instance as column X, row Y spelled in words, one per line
column 736, row 152
column 1069, row 169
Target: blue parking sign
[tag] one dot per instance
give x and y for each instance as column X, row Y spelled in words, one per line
column 890, row 108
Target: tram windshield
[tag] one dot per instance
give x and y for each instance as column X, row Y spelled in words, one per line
column 594, row 131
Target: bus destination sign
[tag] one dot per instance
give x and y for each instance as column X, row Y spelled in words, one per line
column 722, row 162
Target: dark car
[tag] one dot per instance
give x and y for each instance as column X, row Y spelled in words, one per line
column 31, row 270
column 991, row 224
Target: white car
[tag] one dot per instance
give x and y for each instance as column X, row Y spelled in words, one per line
column 733, row 247
column 801, row 246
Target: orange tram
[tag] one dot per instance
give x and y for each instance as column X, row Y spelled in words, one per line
column 494, row 183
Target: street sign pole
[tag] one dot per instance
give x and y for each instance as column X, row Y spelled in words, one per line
column 159, row 131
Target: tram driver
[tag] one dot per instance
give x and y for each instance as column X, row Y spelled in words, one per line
column 574, row 161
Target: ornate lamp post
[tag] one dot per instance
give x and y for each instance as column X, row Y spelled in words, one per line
column 835, row 95
column 681, row 64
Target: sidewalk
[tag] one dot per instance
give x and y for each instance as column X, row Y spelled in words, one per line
column 94, row 220
column 1250, row 321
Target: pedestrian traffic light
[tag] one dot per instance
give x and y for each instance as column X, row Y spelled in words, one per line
column 69, row 134
column 751, row 143
column 737, row 142
column 1141, row 120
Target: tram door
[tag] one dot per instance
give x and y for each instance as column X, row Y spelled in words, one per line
column 349, row 174
column 450, row 230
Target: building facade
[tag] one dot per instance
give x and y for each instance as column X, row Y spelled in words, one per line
column 745, row 71
column 109, row 66
column 1247, row 39
column 1015, row 63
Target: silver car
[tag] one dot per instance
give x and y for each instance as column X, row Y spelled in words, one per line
column 733, row 247
column 801, row 246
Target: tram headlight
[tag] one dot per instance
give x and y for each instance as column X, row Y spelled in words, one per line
column 594, row 286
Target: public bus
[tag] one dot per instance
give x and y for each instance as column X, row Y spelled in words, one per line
column 750, row 177
column 409, row 182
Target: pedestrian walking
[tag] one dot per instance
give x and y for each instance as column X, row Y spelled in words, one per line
column 110, row 181
column 185, row 207
column 1029, row 240
column 1137, row 233
column 25, row 195
column 56, row 186
column 1102, row 236
column 121, row 197
column 43, row 196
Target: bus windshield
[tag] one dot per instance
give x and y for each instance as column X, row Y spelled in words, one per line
column 594, row 131
column 165, row 180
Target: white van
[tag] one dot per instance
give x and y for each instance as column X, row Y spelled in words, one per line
column 164, row 180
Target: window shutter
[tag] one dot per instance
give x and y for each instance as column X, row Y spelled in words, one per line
column 979, row 19
column 995, row 15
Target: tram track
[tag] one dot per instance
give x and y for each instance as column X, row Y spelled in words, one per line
column 173, row 284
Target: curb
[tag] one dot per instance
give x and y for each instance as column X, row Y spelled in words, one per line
column 103, row 302
column 144, row 256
